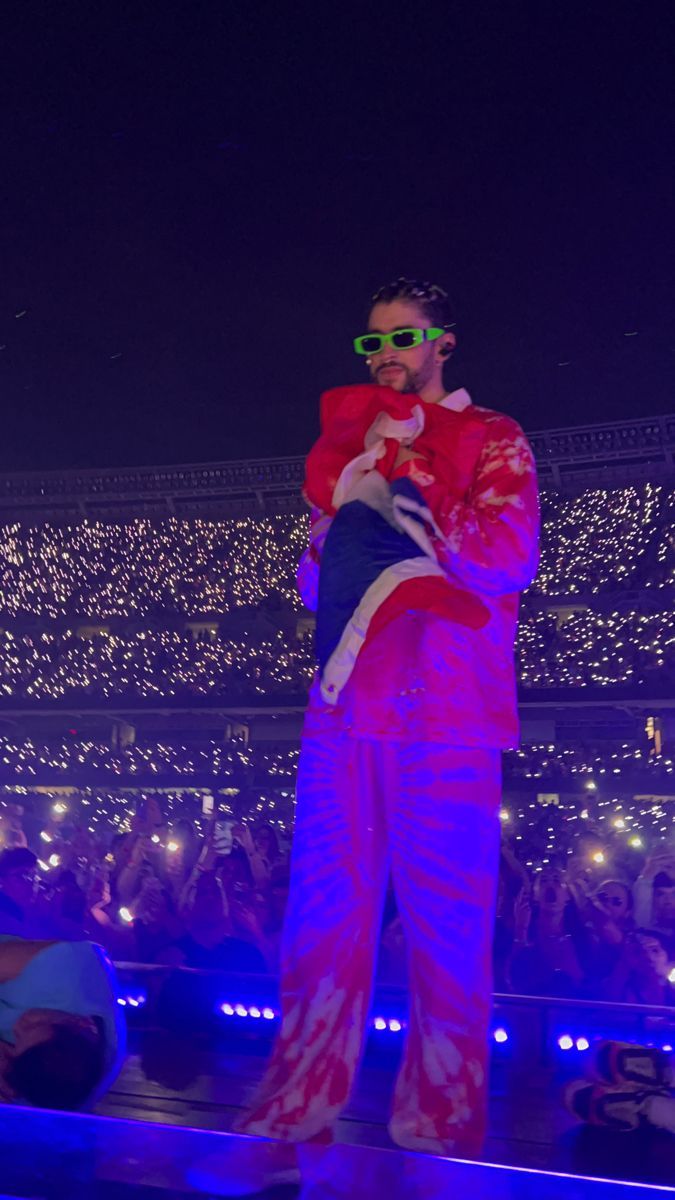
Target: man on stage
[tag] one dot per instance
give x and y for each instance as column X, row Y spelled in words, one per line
column 424, row 530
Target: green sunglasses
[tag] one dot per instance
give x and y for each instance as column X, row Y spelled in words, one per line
column 400, row 339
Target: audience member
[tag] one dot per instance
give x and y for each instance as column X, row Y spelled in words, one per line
column 557, row 931
column 548, row 945
column 155, row 925
column 641, row 974
column 61, row 1033
column 158, row 887
column 654, row 892
column 209, row 943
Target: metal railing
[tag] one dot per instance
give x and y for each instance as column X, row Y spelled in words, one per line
column 534, row 1028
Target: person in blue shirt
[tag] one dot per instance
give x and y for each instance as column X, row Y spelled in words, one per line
column 61, row 1031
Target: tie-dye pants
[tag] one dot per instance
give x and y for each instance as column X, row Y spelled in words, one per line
column 428, row 813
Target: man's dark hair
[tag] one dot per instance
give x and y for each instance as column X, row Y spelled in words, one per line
column 431, row 299
column 60, row 1073
column 18, row 858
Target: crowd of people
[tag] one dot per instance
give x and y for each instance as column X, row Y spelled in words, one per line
column 596, row 649
column 142, row 568
column 574, row 933
column 606, row 541
column 552, row 794
column 152, row 894
column 149, row 664
column 585, row 649
column 175, row 850
column 600, row 541
column 586, row 898
column 102, row 610
column 73, row 760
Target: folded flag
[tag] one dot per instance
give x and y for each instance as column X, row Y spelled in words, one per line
column 378, row 539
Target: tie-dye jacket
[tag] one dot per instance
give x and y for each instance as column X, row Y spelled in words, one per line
column 429, row 654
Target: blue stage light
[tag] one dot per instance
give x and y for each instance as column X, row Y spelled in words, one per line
column 381, row 1024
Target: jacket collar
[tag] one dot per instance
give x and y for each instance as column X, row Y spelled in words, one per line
column 457, row 401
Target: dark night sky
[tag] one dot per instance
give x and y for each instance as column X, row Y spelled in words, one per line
column 198, row 199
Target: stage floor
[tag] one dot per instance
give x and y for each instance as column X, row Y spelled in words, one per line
column 70, row 1157
column 182, row 1084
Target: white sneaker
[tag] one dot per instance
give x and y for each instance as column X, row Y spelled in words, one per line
column 246, row 1165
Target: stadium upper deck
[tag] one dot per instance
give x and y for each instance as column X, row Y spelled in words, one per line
column 568, row 460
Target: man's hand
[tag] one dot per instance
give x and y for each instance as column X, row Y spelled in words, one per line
column 407, row 454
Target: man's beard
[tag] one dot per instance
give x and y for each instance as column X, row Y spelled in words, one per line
column 413, row 380
column 411, row 383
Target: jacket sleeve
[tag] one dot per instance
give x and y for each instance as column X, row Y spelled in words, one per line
column 310, row 561
column 489, row 539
